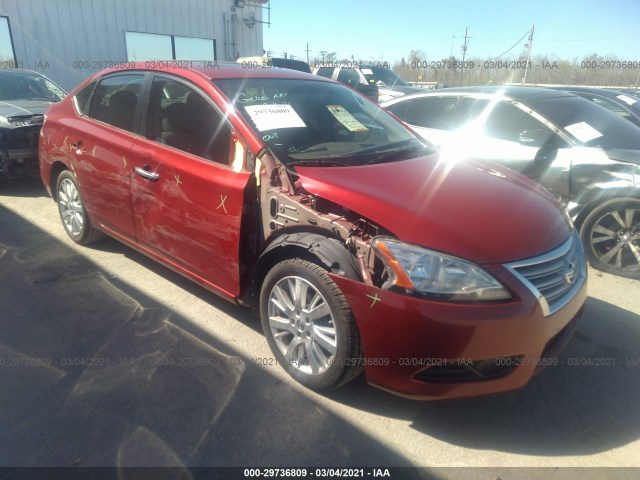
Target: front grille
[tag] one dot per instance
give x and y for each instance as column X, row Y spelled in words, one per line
column 554, row 277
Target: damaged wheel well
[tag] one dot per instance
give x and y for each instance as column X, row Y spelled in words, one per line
column 324, row 251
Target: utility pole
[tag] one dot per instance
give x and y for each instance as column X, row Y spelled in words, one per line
column 308, row 52
column 529, row 45
column 464, row 53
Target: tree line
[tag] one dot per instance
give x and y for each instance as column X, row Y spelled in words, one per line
column 590, row 70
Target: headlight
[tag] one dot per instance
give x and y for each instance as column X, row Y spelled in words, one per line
column 435, row 275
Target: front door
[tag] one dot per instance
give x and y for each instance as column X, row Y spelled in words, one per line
column 187, row 200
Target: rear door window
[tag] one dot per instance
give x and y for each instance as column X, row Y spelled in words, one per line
column 436, row 113
column 467, row 110
column 116, row 99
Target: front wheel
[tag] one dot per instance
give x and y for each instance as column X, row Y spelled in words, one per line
column 72, row 212
column 611, row 237
column 309, row 325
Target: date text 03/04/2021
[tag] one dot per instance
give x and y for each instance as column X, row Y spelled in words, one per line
column 371, row 472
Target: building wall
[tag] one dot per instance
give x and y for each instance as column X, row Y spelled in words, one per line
column 67, row 40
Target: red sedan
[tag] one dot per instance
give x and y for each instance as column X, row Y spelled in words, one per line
column 362, row 248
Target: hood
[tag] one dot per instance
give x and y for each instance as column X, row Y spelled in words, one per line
column 628, row 156
column 20, row 111
column 468, row 209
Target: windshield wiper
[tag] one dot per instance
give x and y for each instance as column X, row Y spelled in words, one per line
column 318, row 163
column 395, row 146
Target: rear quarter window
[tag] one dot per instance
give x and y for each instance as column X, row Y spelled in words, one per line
column 81, row 99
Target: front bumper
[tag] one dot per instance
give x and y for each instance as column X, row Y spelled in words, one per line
column 423, row 349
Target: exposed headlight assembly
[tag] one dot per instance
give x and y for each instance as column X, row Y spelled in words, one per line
column 434, row 275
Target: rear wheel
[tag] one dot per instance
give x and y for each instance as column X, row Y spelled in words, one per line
column 309, row 325
column 72, row 212
column 611, row 237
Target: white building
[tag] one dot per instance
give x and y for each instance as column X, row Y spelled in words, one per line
column 68, row 40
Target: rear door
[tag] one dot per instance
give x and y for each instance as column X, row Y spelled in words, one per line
column 187, row 199
column 100, row 142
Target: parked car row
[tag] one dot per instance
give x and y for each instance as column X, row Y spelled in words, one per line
column 588, row 156
column 24, row 98
column 361, row 245
column 377, row 82
column 624, row 104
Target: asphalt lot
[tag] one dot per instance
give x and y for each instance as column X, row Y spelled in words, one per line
column 109, row 359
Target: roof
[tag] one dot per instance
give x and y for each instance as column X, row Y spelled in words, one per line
column 216, row 70
column 508, row 92
column 513, row 92
column 17, row 71
column 602, row 91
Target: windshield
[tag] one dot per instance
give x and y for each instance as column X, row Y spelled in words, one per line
column 28, row 86
column 320, row 123
column 589, row 124
column 382, row 76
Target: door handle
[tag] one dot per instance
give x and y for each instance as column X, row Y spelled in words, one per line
column 143, row 172
column 76, row 146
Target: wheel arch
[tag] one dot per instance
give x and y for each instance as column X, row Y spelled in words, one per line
column 632, row 193
column 323, row 250
column 57, row 167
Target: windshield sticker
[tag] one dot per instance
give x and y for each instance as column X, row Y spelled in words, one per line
column 626, row 99
column 367, row 71
column 271, row 117
column 583, row 131
column 346, row 119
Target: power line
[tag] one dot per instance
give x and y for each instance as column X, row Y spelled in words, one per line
column 514, row 45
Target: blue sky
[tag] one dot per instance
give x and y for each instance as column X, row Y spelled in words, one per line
column 388, row 30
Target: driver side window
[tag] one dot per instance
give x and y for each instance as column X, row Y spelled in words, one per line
column 181, row 117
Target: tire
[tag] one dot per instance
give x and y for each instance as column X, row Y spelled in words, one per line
column 611, row 237
column 72, row 211
column 321, row 351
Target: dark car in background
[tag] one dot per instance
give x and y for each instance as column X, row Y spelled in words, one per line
column 269, row 62
column 24, row 98
column 376, row 82
column 359, row 245
column 624, row 104
column 586, row 155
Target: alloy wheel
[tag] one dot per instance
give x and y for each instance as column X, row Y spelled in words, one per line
column 71, row 209
column 615, row 239
column 302, row 325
